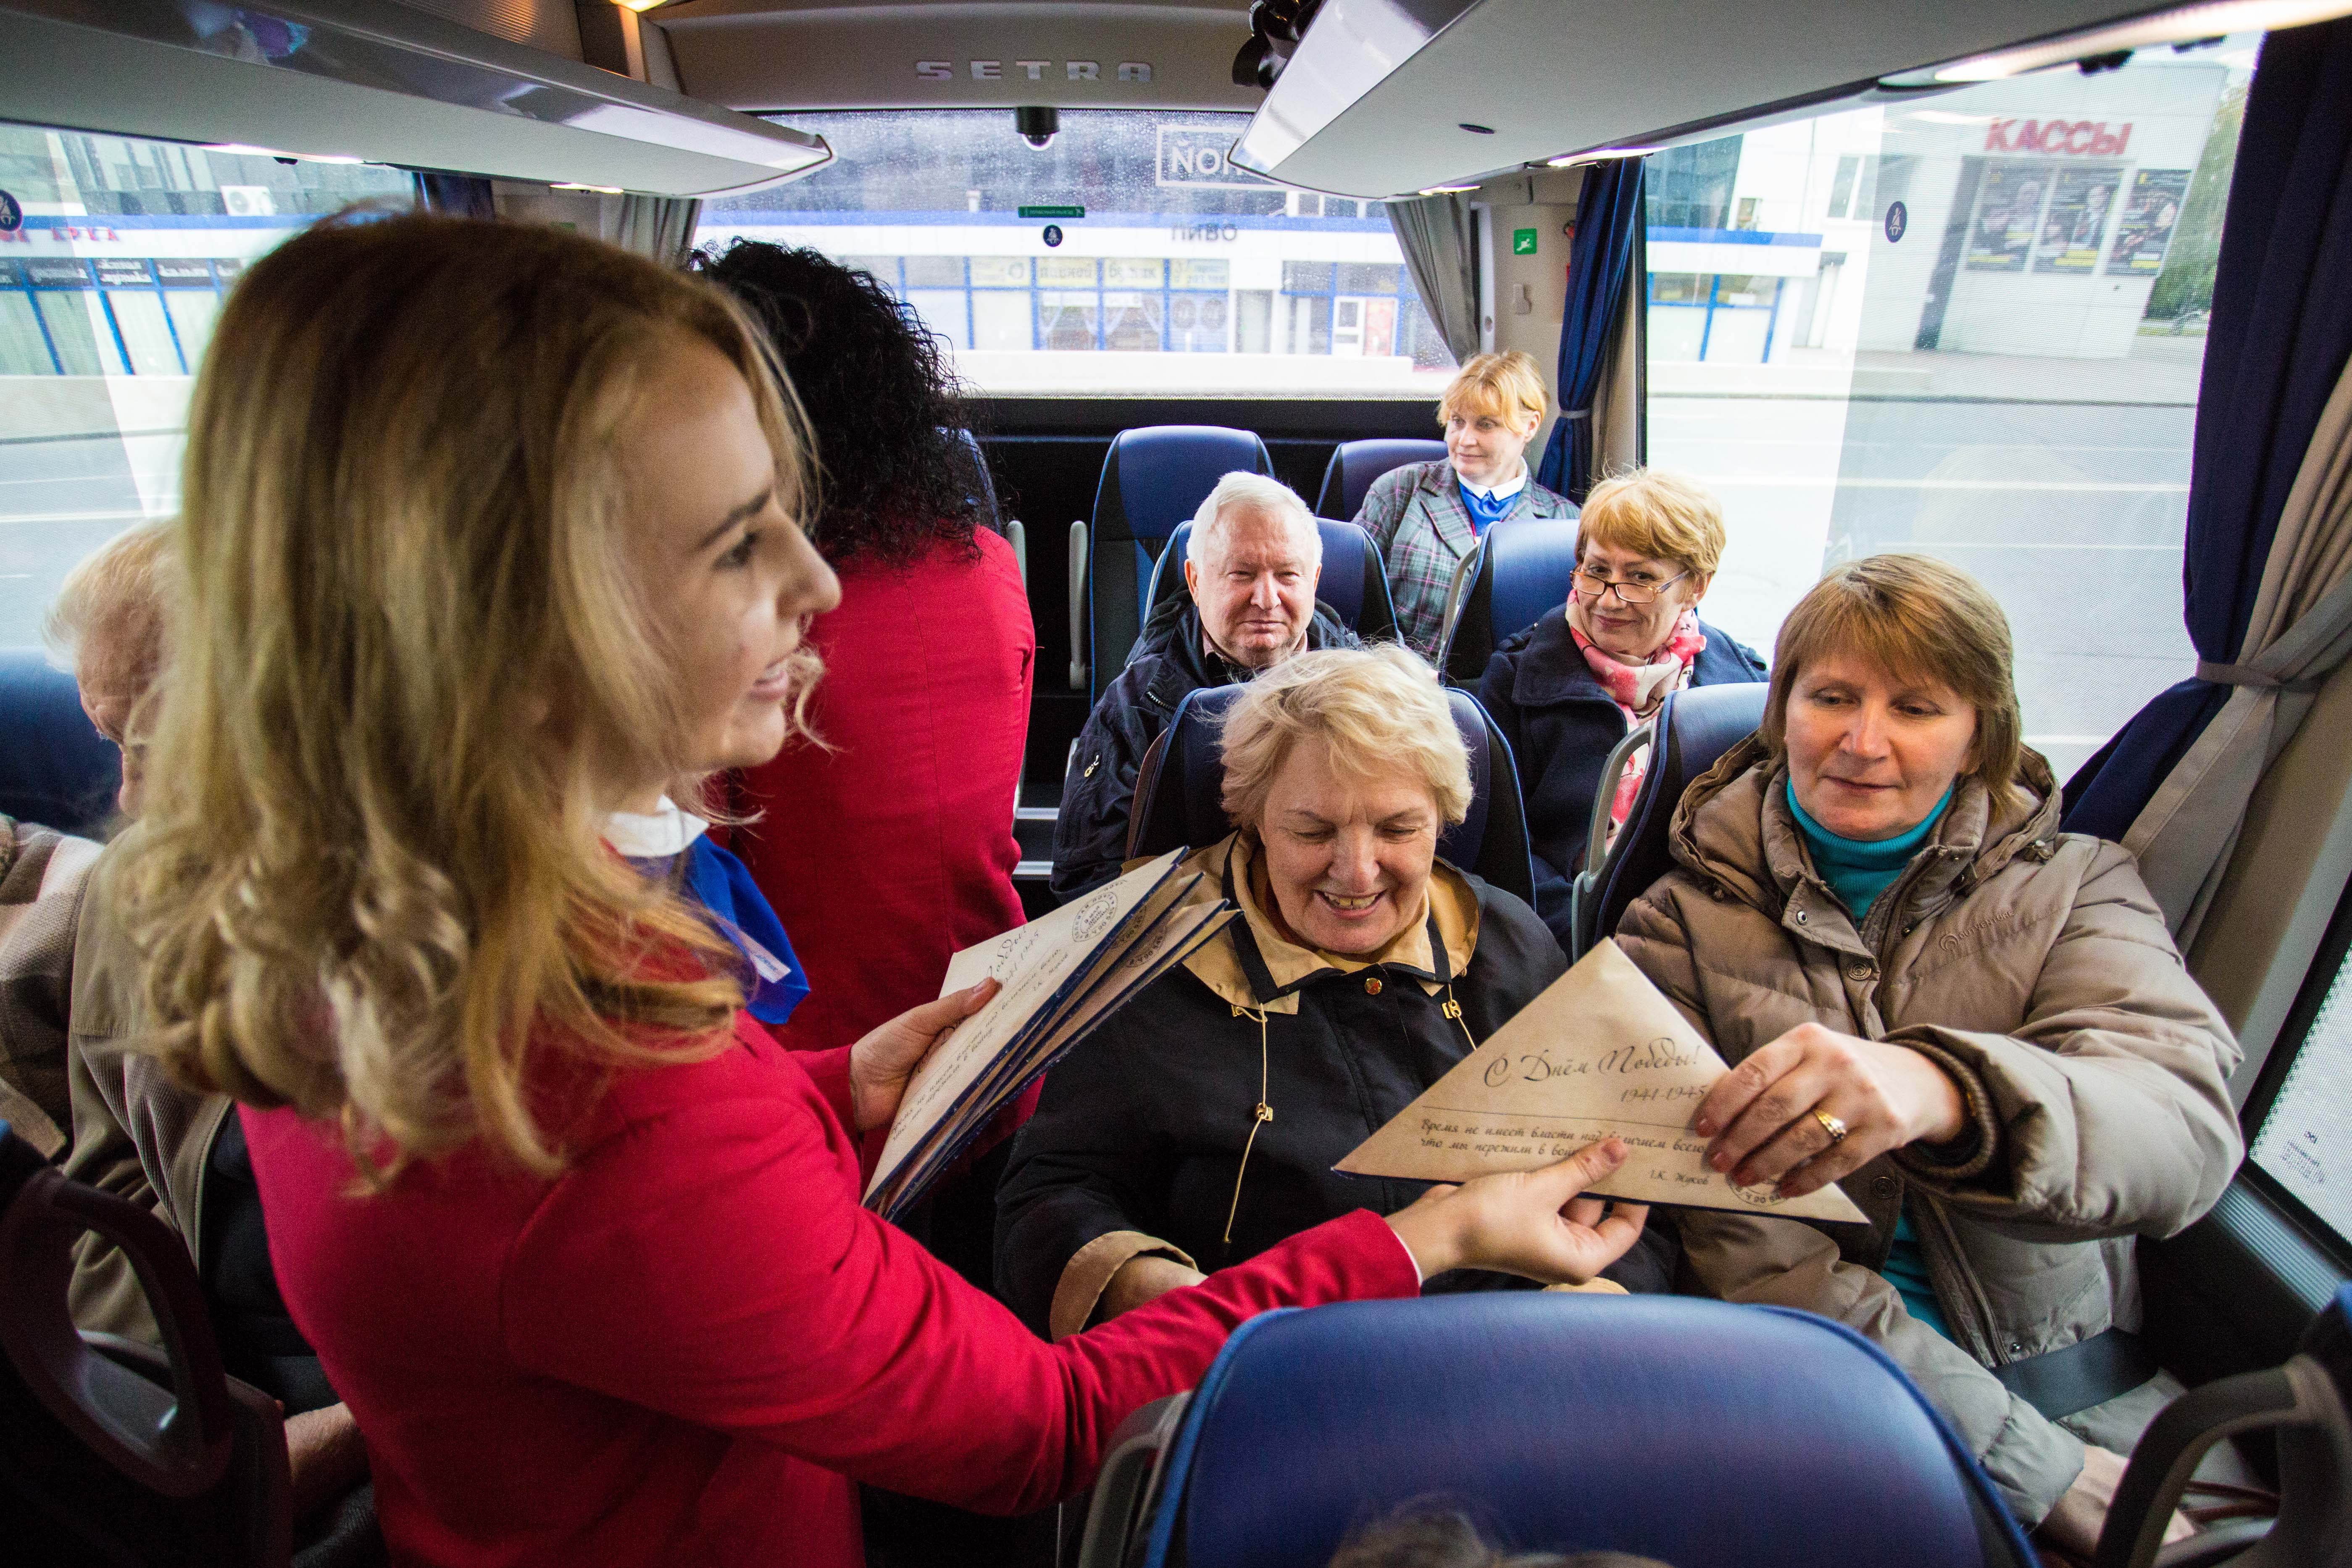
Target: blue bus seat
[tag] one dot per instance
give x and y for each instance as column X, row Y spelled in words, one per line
column 1180, row 791
column 1154, row 478
column 1698, row 1433
column 1699, row 725
column 1355, row 581
column 55, row 769
column 111, row 1451
column 1354, row 466
column 1518, row 571
column 972, row 471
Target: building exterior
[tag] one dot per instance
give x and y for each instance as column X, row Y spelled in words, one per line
column 2028, row 217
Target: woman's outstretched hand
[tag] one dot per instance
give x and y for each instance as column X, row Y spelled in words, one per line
column 1762, row 1117
column 881, row 1063
column 1529, row 1223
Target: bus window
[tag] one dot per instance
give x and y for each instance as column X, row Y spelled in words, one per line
column 1128, row 257
column 1973, row 328
column 108, row 292
column 2300, row 1112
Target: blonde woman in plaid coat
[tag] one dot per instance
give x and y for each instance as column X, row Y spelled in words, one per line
column 1426, row 517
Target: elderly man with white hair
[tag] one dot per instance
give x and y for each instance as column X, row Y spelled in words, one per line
column 1250, row 573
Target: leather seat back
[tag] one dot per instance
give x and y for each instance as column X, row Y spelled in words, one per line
column 1699, row 1433
column 55, row 769
column 1179, row 792
column 1355, row 465
column 1153, row 479
column 1699, row 725
column 110, row 1451
column 1355, row 581
column 1519, row 570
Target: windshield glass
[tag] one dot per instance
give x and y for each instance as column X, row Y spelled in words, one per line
column 1127, row 257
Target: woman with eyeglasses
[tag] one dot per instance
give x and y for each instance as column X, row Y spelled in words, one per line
column 1566, row 690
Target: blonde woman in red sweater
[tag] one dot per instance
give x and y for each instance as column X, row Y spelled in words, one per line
column 490, row 531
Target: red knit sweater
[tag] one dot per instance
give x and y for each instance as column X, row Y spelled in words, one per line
column 689, row 1346
column 889, row 852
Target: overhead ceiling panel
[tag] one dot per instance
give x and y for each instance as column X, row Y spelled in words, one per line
column 377, row 82
column 1375, row 100
column 768, row 55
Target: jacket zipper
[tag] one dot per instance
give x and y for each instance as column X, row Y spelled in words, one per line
column 1958, row 1291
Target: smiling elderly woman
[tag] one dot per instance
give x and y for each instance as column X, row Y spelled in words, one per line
column 1199, row 1128
column 1565, row 690
column 1976, row 1022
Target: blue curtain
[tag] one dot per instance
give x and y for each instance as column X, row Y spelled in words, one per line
column 1600, row 269
column 461, row 196
column 2279, row 336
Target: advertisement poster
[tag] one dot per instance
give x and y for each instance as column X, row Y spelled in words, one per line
column 2009, row 205
column 2079, row 209
column 2150, row 213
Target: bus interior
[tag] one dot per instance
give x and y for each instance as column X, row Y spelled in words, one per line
column 1933, row 277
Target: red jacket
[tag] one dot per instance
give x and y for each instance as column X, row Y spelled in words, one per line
column 890, row 853
column 686, row 1347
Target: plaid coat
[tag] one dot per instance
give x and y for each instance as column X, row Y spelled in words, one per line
column 1416, row 516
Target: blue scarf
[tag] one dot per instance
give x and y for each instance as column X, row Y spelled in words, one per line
column 773, row 981
column 1486, row 511
column 1859, row 869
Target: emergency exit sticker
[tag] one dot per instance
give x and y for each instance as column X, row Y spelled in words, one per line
column 1523, row 242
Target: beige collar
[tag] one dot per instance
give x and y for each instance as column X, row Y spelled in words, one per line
column 1285, row 966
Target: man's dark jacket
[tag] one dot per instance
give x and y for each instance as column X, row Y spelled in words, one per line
column 1169, row 661
column 1562, row 724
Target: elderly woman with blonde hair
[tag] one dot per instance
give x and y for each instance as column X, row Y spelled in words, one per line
column 1565, row 690
column 1974, row 1021
column 1426, row 517
column 1199, row 1127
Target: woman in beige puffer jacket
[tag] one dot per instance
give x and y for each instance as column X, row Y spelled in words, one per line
column 2003, row 1046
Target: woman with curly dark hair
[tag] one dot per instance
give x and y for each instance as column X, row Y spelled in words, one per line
column 925, row 705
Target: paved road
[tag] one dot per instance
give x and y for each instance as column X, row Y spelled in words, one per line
column 2072, row 510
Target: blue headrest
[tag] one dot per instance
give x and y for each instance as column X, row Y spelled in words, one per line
column 1179, row 796
column 1529, row 564
column 55, row 769
column 1356, row 464
column 1348, row 550
column 1156, row 477
column 1699, row 724
column 1702, row 1434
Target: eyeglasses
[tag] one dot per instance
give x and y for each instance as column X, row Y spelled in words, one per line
column 1591, row 586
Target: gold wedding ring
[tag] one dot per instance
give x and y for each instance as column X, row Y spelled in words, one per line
column 1830, row 1125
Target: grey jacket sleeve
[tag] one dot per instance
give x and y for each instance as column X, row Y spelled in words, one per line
column 104, row 1296
column 2109, row 1103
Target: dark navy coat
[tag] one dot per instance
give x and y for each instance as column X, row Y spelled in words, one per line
column 1169, row 661
column 1562, row 724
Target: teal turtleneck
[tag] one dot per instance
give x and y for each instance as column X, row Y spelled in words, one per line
column 1858, row 870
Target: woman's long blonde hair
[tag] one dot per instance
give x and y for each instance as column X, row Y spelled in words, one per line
column 408, row 671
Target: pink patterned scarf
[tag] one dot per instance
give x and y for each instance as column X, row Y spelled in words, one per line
column 1638, row 689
